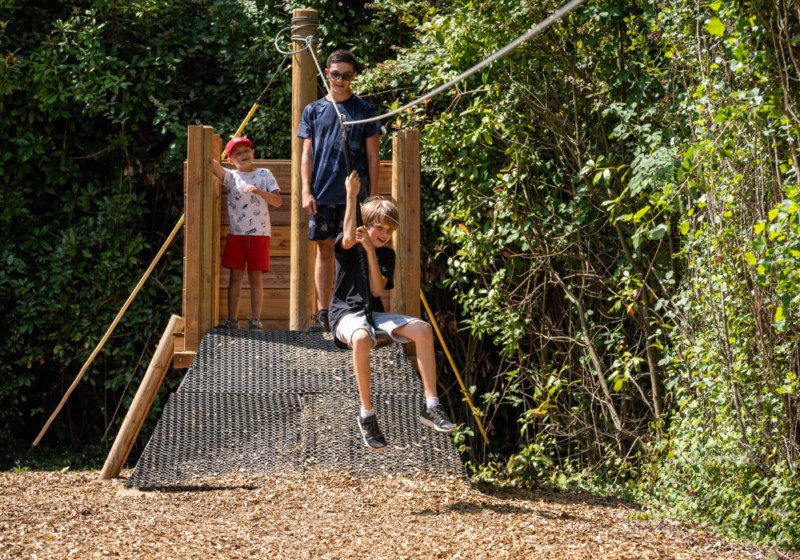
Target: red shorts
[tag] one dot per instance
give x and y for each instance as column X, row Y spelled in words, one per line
column 252, row 249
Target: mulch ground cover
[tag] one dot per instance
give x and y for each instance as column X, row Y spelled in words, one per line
column 328, row 515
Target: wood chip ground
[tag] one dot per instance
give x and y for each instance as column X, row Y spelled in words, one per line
column 330, row 516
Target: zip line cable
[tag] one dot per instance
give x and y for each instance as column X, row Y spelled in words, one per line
column 544, row 24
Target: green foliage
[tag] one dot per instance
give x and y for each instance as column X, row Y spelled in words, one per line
column 615, row 206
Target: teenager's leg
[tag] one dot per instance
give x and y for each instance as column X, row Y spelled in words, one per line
column 234, row 293
column 422, row 335
column 256, row 294
column 323, row 273
column 362, row 344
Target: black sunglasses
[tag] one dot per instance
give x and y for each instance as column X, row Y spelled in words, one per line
column 347, row 76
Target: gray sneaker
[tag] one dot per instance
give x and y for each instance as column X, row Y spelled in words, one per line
column 229, row 324
column 437, row 419
column 256, row 325
column 371, row 432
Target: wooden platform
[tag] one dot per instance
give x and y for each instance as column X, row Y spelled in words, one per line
column 275, row 311
column 205, row 283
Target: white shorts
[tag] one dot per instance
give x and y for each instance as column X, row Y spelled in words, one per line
column 386, row 322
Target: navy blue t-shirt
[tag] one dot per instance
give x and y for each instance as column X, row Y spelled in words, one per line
column 320, row 123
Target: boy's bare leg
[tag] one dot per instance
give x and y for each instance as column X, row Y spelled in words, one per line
column 433, row 415
column 362, row 344
column 234, row 293
column 422, row 335
column 323, row 273
column 256, row 294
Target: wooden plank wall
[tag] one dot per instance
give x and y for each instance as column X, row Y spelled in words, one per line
column 275, row 311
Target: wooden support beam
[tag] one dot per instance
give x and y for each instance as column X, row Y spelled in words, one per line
column 406, row 194
column 304, row 91
column 201, row 234
column 208, row 235
column 216, row 213
column 143, row 401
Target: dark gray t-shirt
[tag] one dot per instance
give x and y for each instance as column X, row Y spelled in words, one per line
column 348, row 291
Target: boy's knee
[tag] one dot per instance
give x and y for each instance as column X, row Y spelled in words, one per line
column 421, row 331
column 361, row 339
column 425, row 332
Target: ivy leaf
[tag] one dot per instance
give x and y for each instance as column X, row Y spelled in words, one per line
column 759, row 227
column 684, row 227
column 759, row 244
column 750, row 258
column 715, row 27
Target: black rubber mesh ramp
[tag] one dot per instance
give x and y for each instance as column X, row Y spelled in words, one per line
column 333, row 440
column 206, row 435
column 231, row 361
column 259, row 402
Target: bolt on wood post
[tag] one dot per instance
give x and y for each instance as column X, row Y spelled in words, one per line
column 304, row 91
column 406, row 194
column 143, row 401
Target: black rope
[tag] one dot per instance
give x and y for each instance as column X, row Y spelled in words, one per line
column 362, row 254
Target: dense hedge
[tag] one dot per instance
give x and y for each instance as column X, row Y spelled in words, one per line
column 615, row 204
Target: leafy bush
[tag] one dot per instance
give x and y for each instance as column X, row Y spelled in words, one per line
column 615, row 206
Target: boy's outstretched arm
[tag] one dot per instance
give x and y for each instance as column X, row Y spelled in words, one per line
column 352, row 185
column 219, row 171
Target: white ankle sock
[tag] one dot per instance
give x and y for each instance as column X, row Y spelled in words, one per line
column 367, row 413
column 430, row 402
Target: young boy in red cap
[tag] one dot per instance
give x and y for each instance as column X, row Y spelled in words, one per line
column 250, row 193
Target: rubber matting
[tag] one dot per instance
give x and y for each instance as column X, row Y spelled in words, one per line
column 261, row 402
column 289, row 361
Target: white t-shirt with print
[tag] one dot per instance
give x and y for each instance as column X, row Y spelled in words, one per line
column 249, row 213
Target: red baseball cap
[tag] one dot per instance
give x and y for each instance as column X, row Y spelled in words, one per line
column 233, row 142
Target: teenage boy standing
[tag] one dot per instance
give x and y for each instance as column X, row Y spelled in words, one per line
column 324, row 171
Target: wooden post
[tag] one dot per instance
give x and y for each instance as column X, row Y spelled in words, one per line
column 200, row 235
column 216, row 213
column 143, row 401
column 304, row 91
column 406, row 194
